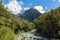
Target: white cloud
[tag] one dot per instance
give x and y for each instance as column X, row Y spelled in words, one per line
column 40, row 9
column 26, row 8
column 59, row 0
column 14, row 6
column 21, row 2
column 54, row 0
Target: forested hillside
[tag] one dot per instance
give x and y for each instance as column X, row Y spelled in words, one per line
column 48, row 24
column 11, row 25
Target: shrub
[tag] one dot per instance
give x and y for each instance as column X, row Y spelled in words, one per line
column 6, row 34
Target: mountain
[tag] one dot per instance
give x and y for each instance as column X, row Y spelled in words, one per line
column 30, row 14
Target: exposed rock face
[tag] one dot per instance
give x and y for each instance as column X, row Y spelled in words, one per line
column 28, row 36
column 21, row 37
column 25, row 36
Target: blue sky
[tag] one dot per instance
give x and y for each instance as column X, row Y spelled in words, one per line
column 50, row 4
column 46, row 4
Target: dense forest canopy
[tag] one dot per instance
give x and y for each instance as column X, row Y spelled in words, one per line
column 8, row 21
column 48, row 24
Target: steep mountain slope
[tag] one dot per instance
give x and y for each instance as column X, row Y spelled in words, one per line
column 7, row 19
column 10, row 25
column 30, row 14
column 48, row 24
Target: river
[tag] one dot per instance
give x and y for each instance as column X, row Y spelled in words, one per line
column 29, row 36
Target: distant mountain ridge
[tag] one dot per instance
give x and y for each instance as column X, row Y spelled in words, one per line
column 30, row 14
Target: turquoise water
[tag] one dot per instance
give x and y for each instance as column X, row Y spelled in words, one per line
column 32, row 35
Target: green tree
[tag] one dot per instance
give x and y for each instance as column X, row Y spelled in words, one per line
column 6, row 34
column 10, row 20
column 47, row 24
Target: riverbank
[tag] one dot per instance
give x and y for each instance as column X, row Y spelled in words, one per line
column 28, row 36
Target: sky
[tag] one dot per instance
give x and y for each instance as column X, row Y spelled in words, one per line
column 18, row 6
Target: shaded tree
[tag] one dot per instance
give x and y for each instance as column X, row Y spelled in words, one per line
column 48, row 24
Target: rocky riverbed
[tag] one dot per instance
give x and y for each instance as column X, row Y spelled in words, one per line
column 28, row 36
